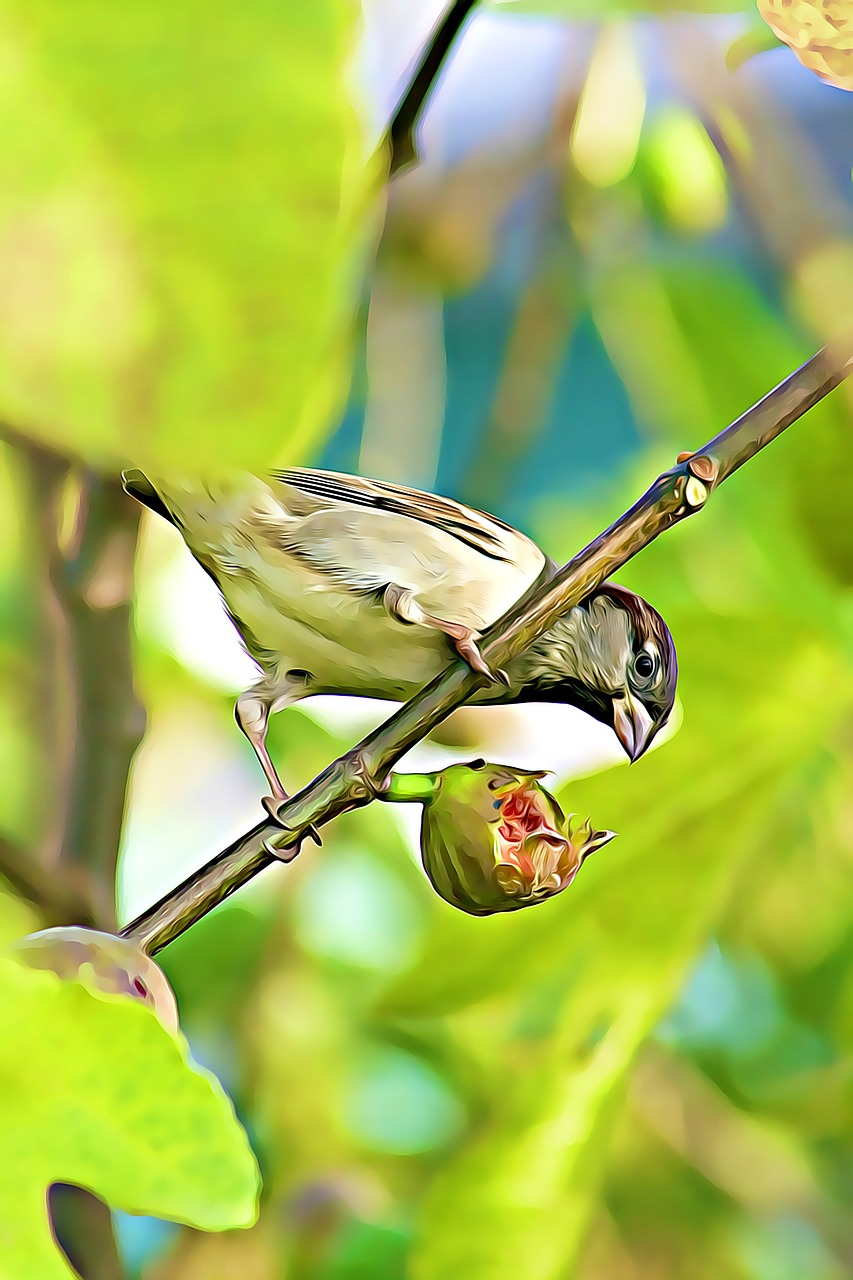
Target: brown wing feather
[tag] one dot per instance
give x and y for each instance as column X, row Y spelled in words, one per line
column 485, row 533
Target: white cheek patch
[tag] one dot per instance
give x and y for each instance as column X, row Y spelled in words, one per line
column 608, row 652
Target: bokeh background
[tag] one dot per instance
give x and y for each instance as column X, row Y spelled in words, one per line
column 622, row 232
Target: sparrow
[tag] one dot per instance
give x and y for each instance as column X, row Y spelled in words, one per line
column 343, row 585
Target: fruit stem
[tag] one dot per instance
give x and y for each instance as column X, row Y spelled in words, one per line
column 406, row 788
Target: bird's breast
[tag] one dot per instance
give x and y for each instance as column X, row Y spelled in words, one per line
column 347, row 641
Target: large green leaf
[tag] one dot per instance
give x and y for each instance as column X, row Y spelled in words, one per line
column 181, row 201
column 96, row 1093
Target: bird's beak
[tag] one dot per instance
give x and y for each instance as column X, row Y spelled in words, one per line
column 633, row 724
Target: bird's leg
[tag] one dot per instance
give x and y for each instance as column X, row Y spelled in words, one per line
column 402, row 604
column 252, row 713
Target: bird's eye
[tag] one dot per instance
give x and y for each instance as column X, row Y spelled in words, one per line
column 644, row 665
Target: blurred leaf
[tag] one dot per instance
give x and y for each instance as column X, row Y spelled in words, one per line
column 98, row 1094
column 212, row 966
column 596, row 10
column 695, row 346
column 517, row 1201
column 758, row 38
column 102, row 962
column 181, row 203
column 16, row 917
column 366, row 1252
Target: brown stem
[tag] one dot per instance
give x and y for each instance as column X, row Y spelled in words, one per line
column 355, row 778
column 83, row 1227
column 83, row 628
column 95, row 587
column 60, row 894
column 41, row 474
column 401, row 131
column 54, row 895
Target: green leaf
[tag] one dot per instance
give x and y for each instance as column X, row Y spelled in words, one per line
column 695, row 345
column 181, row 206
column 16, row 917
column 96, row 1093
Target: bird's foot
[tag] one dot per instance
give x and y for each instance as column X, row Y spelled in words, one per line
column 403, row 605
column 468, row 649
column 273, row 805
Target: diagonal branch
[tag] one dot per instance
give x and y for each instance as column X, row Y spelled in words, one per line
column 401, row 131
column 356, row 777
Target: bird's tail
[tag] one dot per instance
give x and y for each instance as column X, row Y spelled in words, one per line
column 137, row 484
column 209, row 514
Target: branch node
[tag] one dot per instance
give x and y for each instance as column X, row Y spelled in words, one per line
column 703, row 467
column 361, row 782
column 279, row 841
column 695, row 493
column 279, row 847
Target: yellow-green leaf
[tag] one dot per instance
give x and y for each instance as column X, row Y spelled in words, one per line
column 95, row 1092
column 181, row 204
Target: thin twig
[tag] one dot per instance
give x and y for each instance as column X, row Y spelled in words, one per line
column 401, row 131
column 356, row 777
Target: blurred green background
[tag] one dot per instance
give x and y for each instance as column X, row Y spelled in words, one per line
column 615, row 242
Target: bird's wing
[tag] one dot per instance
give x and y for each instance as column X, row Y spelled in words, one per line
column 460, row 564
column 299, row 535
column 483, row 533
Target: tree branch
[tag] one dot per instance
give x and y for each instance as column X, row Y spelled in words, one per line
column 60, row 894
column 54, row 895
column 83, row 1227
column 356, row 777
column 401, row 131
column 83, row 597
column 94, row 584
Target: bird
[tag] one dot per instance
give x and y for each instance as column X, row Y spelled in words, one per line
column 338, row 584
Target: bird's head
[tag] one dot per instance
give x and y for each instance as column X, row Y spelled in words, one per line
column 613, row 657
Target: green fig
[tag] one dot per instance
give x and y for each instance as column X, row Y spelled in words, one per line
column 493, row 839
column 104, row 962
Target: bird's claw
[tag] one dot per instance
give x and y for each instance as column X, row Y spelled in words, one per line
column 468, row 649
column 273, row 805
